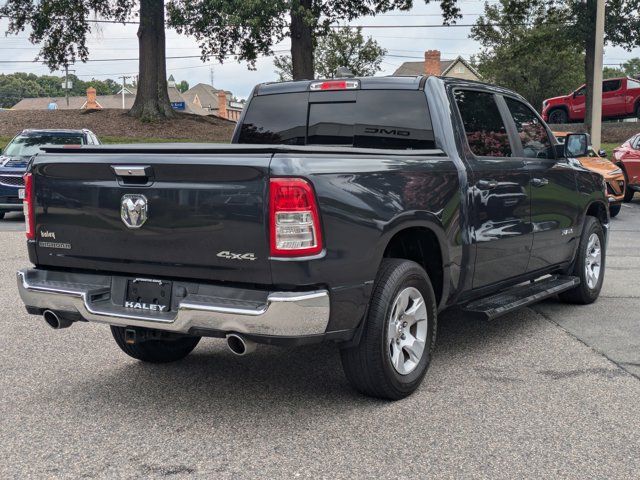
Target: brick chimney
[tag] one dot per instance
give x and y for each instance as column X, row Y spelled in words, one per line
column 92, row 103
column 432, row 62
column 222, row 104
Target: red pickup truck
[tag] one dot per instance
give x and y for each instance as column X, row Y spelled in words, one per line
column 620, row 99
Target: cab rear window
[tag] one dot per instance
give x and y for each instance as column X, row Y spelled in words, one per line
column 389, row 119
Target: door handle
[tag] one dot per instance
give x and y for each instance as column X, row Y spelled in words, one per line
column 539, row 182
column 487, row 184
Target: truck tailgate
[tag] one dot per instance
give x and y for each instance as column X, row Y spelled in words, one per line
column 205, row 214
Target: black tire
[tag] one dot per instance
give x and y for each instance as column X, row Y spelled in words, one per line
column 368, row 365
column 583, row 294
column 2, row 214
column 614, row 210
column 558, row 116
column 638, row 111
column 155, row 351
column 628, row 193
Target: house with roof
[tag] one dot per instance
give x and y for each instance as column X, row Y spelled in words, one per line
column 434, row 65
column 213, row 101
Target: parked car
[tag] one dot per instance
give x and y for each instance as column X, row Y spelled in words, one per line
column 16, row 155
column 613, row 175
column 350, row 210
column 620, row 99
column 627, row 157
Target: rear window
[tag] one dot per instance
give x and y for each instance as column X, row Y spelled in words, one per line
column 391, row 119
column 28, row 145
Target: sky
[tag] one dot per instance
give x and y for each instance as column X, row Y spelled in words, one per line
column 120, row 41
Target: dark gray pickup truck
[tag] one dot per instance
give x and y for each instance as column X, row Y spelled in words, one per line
column 350, row 210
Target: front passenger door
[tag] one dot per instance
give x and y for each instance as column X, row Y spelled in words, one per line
column 554, row 193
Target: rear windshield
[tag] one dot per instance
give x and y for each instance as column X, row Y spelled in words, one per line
column 392, row 119
column 27, row 145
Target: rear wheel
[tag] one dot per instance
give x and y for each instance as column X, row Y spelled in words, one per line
column 614, row 210
column 558, row 116
column 2, row 214
column 589, row 264
column 155, row 350
column 395, row 350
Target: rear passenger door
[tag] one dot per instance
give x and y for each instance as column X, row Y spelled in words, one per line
column 554, row 193
column 500, row 215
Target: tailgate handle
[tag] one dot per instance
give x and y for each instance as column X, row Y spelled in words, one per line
column 132, row 170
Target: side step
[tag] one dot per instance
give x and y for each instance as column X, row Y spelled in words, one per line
column 519, row 296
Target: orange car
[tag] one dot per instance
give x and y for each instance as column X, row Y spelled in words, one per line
column 613, row 175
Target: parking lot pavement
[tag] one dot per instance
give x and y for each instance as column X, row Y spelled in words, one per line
column 12, row 222
column 546, row 392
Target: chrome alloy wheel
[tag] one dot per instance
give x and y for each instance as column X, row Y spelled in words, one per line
column 407, row 330
column 593, row 261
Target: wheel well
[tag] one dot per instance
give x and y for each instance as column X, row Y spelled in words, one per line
column 559, row 107
column 421, row 246
column 599, row 211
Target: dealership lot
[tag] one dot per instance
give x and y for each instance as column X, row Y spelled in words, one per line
column 548, row 391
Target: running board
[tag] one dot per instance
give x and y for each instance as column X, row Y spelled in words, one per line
column 520, row 296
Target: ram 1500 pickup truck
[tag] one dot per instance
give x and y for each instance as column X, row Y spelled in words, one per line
column 351, row 210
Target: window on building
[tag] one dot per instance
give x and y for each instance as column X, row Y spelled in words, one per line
column 460, row 68
column 483, row 124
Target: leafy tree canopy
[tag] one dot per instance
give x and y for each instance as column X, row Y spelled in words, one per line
column 345, row 47
column 16, row 86
column 630, row 68
column 247, row 29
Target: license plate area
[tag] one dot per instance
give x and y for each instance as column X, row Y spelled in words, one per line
column 148, row 295
column 21, row 193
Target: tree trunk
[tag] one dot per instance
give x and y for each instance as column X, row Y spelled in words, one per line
column 152, row 98
column 301, row 41
column 590, row 54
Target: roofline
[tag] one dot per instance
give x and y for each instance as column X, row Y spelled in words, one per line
column 460, row 59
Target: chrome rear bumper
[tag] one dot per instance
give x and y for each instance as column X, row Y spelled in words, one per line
column 283, row 314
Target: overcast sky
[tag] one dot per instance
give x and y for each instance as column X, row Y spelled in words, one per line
column 118, row 41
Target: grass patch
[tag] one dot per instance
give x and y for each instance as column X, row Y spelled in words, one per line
column 4, row 141
column 609, row 148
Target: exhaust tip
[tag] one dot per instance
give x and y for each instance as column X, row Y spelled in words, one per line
column 55, row 321
column 239, row 345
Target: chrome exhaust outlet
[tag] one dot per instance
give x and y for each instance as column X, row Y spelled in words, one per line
column 55, row 321
column 239, row 345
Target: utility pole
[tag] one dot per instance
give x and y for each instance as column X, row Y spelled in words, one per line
column 211, row 71
column 596, row 106
column 66, row 83
column 124, row 80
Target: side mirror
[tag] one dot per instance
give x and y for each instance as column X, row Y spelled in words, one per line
column 602, row 153
column 577, row 145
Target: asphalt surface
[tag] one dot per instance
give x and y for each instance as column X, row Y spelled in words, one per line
column 552, row 391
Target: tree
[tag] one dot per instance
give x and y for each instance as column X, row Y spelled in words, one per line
column 344, row 47
column 246, row 29
column 183, row 86
column 622, row 24
column 517, row 55
column 64, row 40
column 630, row 68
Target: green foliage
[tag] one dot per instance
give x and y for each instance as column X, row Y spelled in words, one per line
column 344, row 47
column 249, row 28
column 183, row 86
column 16, row 86
column 538, row 61
column 630, row 68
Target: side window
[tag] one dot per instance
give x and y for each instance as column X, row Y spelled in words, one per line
column 611, row 85
column 580, row 92
column 635, row 144
column 483, row 125
column 633, row 84
column 533, row 134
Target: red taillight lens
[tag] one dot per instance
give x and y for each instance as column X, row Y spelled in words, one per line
column 27, row 205
column 293, row 217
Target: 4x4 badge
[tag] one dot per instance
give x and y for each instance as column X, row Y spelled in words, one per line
column 134, row 210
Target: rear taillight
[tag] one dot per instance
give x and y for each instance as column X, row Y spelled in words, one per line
column 293, row 217
column 27, row 205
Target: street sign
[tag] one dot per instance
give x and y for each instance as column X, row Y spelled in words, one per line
column 68, row 86
column 178, row 105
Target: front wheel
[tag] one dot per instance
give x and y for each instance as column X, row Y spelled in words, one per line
column 156, row 350
column 2, row 214
column 558, row 116
column 399, row 333
column 589, row 264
